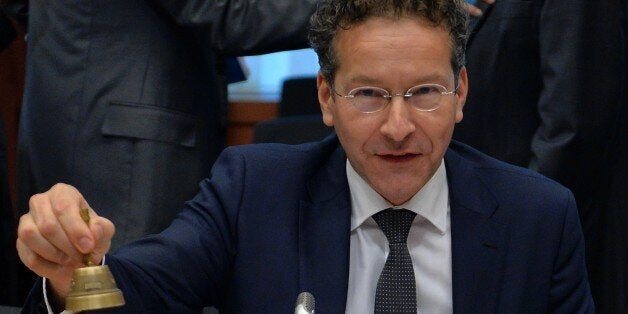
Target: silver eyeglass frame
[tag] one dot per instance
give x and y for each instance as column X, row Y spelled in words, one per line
column 388, row 95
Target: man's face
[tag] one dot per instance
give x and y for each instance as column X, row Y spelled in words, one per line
column 398, row 149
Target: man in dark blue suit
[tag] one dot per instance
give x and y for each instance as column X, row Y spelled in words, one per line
column 547, row 92
column 481, row 236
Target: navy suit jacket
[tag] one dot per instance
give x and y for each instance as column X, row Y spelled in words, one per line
column 274, row 220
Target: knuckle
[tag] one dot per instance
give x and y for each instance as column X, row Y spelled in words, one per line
column 47, row 228
column 59, row 186
column 60, row 258
column 35, row 200
column 24, row 219
column 27, row 257
column 61, row 205
column 20, row 247
column 26, row 231
column 109, row 228
column 63, row 188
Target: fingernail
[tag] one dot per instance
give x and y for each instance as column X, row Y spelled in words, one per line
column 85, row 244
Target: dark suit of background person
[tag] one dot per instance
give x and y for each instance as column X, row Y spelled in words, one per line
column 546, row 85
column 274, row 220
column 127, row 101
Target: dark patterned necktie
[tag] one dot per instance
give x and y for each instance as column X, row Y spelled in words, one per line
column 396, row 288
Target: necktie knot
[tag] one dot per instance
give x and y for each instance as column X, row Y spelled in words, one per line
column 395, row 223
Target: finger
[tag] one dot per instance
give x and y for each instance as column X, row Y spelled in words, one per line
column 66, row 204
column 60, row 276
column 49, row 227
column 489, row 1
column 473, row 10
column 103, row 230
column 30, row 237
column 40, row 265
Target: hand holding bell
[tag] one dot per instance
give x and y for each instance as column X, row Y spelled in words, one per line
column 93, row 287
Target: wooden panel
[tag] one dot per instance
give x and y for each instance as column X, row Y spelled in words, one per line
column 242, row 118
column 11, row 89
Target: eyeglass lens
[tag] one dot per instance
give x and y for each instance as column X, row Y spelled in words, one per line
column 423, row 97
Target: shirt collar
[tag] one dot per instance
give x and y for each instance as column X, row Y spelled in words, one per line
column 431, row 202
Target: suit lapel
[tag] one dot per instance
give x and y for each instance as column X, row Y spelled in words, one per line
column 478, row 241
column 324, row 234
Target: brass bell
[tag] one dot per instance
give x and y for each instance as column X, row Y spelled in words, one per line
column 92, row 287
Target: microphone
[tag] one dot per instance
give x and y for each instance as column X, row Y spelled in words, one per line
column 305, row 303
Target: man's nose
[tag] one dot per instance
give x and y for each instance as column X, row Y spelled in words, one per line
column 398, row 124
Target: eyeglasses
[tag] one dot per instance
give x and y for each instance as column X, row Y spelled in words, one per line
column 424, row 97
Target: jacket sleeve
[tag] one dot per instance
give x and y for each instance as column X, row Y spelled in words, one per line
column 581, row 66
column 570, row 291
column 244, row 27
column 187, row 266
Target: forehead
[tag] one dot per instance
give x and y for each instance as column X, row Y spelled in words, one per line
column 404, row 48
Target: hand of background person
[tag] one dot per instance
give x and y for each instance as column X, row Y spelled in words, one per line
column 475, row 10
column 53, row 238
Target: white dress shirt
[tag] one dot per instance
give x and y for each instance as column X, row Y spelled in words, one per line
column 429, row 243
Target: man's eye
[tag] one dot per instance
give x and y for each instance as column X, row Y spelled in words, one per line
column 368, row 92
column 426, row 90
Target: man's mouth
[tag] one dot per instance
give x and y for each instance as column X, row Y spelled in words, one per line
column 398, row 158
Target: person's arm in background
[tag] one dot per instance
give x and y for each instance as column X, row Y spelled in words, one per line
column 477, row 8
column 245, row 27
column 581, row 65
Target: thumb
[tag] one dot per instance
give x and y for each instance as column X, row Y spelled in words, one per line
column 103, row 231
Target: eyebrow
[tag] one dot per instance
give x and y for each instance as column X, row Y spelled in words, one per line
column 363, row 79
column 422, row 79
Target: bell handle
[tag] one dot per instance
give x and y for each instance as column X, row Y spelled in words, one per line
column 87, row 258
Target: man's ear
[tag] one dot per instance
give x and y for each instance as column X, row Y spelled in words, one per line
column 461, row 94
column 325, row 99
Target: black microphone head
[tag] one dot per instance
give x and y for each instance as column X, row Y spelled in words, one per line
column 306, row 301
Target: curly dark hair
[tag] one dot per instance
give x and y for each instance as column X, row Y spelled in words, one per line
column 333, row 15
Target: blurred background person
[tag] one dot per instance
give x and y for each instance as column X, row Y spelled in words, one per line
column 477, row 7
column 138, row 91
column 127, row 99
column 548, row 92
